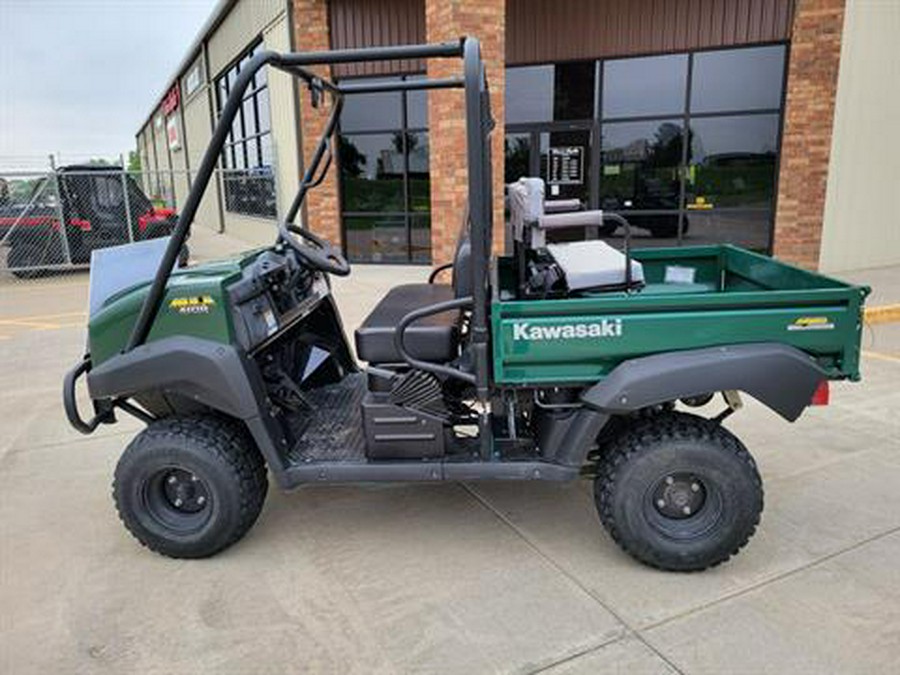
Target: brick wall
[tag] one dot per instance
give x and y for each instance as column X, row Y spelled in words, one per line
column 806, row 143
column 449, row 20
column 322, row 203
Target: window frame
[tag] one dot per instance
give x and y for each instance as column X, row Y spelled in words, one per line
column 256, row 171
column 407, row 214
column 597, row 121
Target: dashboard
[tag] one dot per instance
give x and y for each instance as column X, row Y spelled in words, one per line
column 274, row 293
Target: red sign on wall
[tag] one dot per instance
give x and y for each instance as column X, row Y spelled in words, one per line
column 170, row 102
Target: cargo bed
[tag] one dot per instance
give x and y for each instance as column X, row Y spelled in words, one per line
column 694, row 297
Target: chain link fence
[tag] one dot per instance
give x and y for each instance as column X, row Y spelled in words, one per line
column 51, row 221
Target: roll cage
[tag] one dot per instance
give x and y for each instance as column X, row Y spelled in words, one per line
column 478, row 127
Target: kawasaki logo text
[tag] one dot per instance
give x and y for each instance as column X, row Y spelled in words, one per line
column 608, row 328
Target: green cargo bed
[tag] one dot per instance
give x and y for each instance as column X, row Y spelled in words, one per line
column 694, row 297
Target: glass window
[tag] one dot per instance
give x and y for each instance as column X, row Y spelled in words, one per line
column 108, row 192
column 420, row 237
column 385, row 178
column 732, row 160
column 654, row 85
column 699, row 165
column 373, row 112
column 529, row 94
column 730, row 183
column 372, row 172
column 248, row 179
column 376, row 238
column 737, row 79
column 564, row 91
column 573, row 91
column 517, row 152
column 417, row 107
column 418, row 172
column 640, row 166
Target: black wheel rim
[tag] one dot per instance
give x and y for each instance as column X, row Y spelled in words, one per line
column 683, row 505
column 178, row 499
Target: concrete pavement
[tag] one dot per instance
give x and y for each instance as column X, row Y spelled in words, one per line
column 438, row 578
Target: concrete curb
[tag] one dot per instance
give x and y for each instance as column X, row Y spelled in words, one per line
column 882, row 314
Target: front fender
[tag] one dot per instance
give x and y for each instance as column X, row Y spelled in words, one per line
column 207, row 372
column 781, row 377
column 215, row 375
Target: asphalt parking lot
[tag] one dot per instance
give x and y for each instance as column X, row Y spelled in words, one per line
column 456, row 578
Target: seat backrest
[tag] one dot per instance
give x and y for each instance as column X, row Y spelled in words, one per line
column 526, row 205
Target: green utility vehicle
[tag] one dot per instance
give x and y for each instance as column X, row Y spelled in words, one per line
column 555, row 362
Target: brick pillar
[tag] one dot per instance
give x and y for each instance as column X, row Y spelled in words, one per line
column 806, row 143
column 311, row 34
column 449, row 20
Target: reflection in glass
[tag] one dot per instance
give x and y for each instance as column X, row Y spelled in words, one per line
column 517, row 151
column 418, row 176
column 372, row 172
column 373, row 112
column 653, row 85
column 564, row 91
column 573, row 91
column 529, row 94
column 730, row 182
column 416, row 107
column 732, row 160
column 420, row 237
column 640, row 171
column 737, row 79
column 376, row 238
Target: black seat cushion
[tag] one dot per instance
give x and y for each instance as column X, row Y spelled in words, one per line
column 433, row 338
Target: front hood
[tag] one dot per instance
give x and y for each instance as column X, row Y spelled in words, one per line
column 119, row 270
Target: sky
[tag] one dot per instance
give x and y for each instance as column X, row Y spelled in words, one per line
column 79, row 77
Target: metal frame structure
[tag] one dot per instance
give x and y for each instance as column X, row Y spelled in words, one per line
column 478, row 126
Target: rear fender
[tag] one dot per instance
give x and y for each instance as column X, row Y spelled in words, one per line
column 781, row 377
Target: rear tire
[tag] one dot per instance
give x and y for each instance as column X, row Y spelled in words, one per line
column 678, row 492
column 190, row 487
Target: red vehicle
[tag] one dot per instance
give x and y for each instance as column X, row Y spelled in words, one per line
column 96, row 208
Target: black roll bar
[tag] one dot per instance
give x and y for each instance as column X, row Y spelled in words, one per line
column 478, row 125
column 293, row 64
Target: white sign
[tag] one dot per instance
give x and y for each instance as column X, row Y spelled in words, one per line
column 565, row 165
column 192, row 81
column 172, row 133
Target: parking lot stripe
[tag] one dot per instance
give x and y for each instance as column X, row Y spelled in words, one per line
column 27, row 324
column 882, row 314
column 40, row 317
column 880, row 356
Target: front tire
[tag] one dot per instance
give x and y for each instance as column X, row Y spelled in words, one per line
column 678, row 492
column 190, row 487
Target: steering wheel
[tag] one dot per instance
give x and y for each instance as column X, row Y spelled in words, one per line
column 318, row 253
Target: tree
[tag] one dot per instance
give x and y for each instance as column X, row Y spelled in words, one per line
column 134, row 162
column 351, row 159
